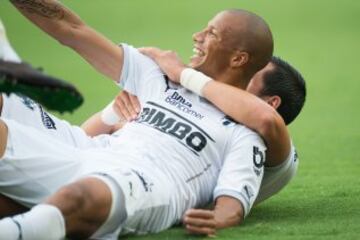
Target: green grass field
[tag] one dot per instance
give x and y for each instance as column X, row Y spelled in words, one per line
column 320, row 37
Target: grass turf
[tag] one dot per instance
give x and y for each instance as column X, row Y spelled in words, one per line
column 321, row 38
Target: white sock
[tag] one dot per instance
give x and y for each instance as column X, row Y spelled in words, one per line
column 7, row 53
column 42, row 222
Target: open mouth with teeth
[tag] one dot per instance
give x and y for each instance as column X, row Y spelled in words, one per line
column 197, row 57
column 197, row 52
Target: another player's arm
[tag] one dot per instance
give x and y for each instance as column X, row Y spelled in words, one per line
column 66, row 27
column 126, row 107
column 240, row 105
column 95, row 126
column 255, row 113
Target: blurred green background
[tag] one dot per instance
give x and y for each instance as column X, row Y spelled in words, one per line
column 320, row 37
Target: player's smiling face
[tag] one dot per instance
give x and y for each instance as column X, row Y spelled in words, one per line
column 211, row 46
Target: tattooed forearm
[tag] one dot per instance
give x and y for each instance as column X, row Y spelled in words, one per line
column 44, row 8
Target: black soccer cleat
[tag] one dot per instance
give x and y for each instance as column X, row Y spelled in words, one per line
column 50, row 92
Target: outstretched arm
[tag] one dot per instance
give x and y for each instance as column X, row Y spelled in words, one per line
column 238, row 104
column 94, row 126
column 67, row 28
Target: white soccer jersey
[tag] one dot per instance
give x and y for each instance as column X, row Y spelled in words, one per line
column 276, row 178
column 195, row 145
column 29, row 113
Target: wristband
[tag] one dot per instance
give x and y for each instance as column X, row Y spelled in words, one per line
column 194, row 80
column 108, row 115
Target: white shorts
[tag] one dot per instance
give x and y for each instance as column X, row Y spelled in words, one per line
column 35, row 165
column 147, row 203
column 276, row 178
column 27, row 112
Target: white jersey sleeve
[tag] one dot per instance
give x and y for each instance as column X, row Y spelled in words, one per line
column 276, row 178
column 137, row 71
column 243, row 169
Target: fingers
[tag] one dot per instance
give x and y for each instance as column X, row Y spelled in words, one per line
column 121, row 110
column 201, row 230
column 168, row 61
column 199, row 213
column 199, row 221
column 157, row 53
column 151, row 52
column 135, row 103
column 124, row 106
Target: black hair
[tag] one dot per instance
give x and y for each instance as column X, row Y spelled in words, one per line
column 287, row 83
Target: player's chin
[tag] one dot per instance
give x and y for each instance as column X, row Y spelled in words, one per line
column 196, row 62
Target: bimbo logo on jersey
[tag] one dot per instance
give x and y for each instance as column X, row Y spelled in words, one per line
column 169, row 122
column 178, row 101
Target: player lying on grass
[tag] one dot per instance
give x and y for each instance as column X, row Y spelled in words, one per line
column 277, row 81
column 273, row 78
column 100, row 202
column 276, row 73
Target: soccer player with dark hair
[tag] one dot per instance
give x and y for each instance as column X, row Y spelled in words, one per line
column 283, row 80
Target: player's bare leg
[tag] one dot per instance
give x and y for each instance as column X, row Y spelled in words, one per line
column 76, row 211
column 8, row 207
column 85, row 206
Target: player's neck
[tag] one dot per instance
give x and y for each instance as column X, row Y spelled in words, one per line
column 233, row 78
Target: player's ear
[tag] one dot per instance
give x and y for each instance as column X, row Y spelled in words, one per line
column 239, row 59
column 274, row 101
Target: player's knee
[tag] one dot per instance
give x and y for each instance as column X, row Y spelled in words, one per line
column 68, row 199
column 85, row 206
column 71, row 201
column 92, row 194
